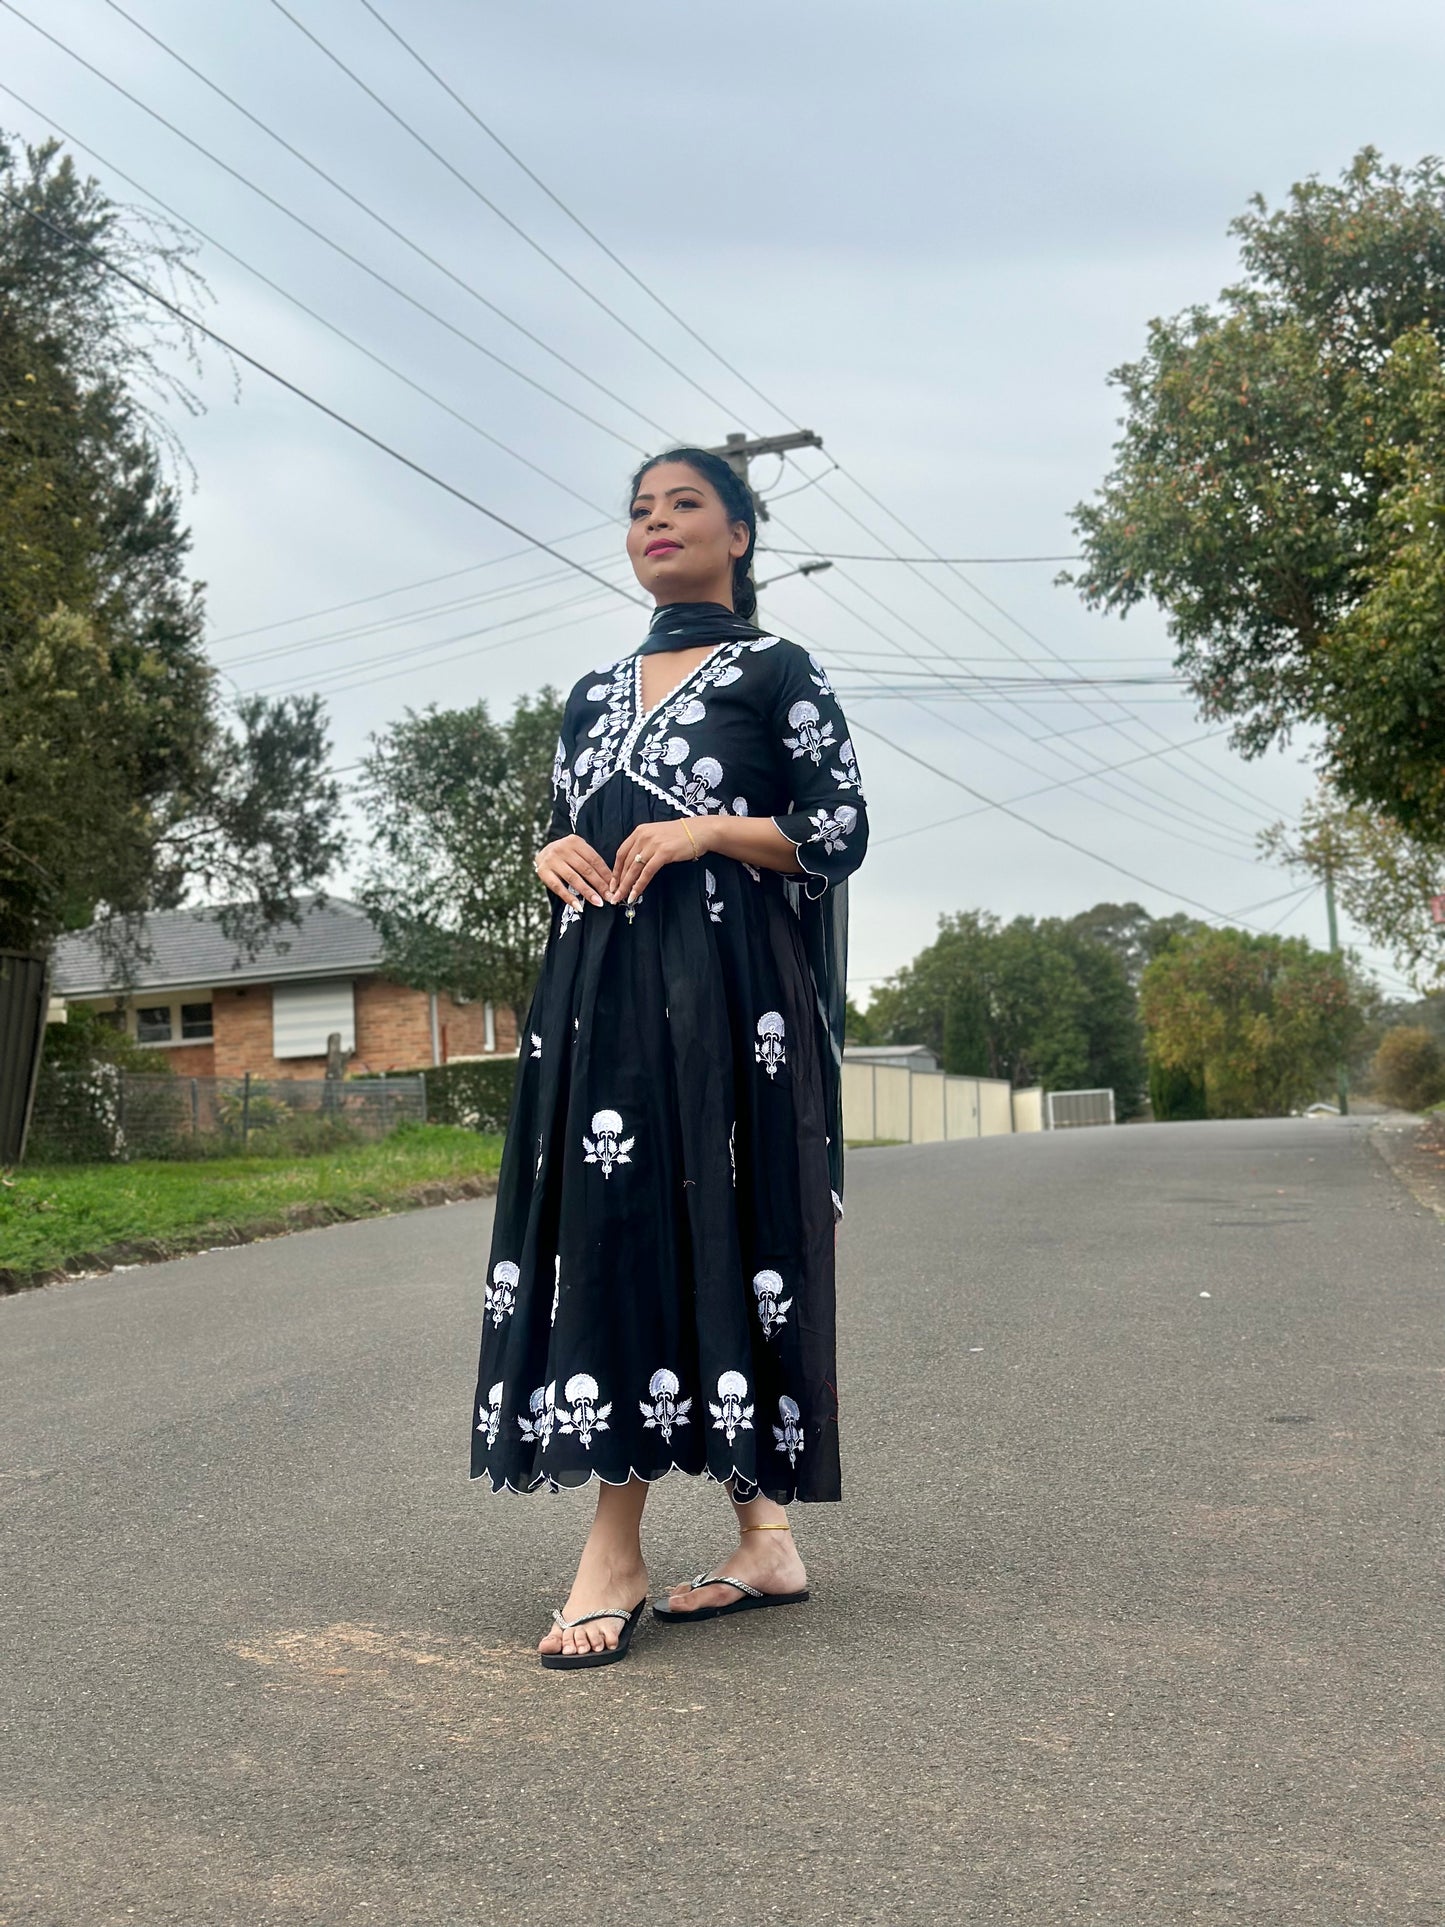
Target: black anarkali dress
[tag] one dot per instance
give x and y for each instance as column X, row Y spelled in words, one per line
column 660, row 1283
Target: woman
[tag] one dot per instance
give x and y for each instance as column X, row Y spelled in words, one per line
column 660, row 1283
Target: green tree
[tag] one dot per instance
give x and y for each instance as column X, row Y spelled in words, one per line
column 1035, row 1001
column 1408, row 1068
column 1384, row 878
column 1259, row 1021
column 121, row 785
column 458, row 807
column 1278, row 485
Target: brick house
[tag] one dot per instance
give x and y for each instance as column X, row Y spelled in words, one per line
column 215, row 1012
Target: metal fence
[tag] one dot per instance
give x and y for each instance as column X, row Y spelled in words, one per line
column 1066, row 1110
column 106, row 1115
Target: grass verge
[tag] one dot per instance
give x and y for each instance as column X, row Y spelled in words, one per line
column 59, row 1219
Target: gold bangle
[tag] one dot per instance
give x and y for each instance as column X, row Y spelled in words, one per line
column 695, row 851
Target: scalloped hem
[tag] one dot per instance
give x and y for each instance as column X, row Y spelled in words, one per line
column 549, row 1482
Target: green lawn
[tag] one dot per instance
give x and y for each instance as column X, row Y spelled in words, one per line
column 52, row 1213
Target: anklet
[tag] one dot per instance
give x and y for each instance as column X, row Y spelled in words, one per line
column 778, row 1525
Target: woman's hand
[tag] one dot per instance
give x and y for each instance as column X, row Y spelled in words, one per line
column 572, row 869
column 650, row 845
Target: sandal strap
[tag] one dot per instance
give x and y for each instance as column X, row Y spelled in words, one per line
column 722, row 1579
column 605, row 1612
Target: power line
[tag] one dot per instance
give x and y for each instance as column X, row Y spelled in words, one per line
column 402, row 588
column 312, row 401
column 576, row 219
column 336, row 246
column 1025, row 796
column 1053, row 835
column 501, row 215
column 296, row 301
column 913, row 561
column 409, row 618
column 1162, row 807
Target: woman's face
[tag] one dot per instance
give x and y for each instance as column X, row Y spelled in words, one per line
column 680, row 540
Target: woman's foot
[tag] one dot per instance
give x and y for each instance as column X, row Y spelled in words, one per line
column 602, row 1582
column 767, row 1560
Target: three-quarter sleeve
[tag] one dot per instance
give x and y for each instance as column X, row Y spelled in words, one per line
column 827, row 818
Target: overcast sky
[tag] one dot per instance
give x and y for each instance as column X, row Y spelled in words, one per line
column 926, row 231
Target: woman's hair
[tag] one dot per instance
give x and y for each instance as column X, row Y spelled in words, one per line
column 737, row 499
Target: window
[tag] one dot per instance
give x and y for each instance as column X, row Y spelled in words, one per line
column 304, row 1015
column 153, row 1026
column 196, row 1024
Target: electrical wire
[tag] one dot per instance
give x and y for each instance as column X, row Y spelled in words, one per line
column 304, row 307
column 313, row 401
column 1054, row 836
column 356, row 261
column 577, row 220
column 845, row 555
column 500, row 213
column 402, row 588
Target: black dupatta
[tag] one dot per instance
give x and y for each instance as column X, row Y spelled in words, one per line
column 686, row 625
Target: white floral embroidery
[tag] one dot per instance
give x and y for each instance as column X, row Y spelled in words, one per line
column 720, row 674
column 536, row 1044
column 813, row 736
column 846, row 777
column 715, row 903
column 818, row 675
column 769, row 1050
column 790, row 1433
column 732, row 1152
column 582, row 1414
column 767, row 1285
column 656, row 756
column 598, row 692
column 691, row 712
column 696, row 790
column 833, row 831
column 491, row 1418
column 556, row 1288
column 607, row 1146
column 763, row 642
column 666, row 1409
column 730, row 1416
column 571, row 913
column 502, row 1291
column 543, row 1415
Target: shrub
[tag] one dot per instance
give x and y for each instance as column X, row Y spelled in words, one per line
column 1408, row 1069
column 474, row 1093
column 1176, row 1094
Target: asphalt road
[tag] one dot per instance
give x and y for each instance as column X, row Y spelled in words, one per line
column 1130, row 1614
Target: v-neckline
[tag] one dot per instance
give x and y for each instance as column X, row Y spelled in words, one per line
column 645, row 715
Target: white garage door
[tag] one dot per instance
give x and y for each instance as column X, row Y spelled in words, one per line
column 305, row 1014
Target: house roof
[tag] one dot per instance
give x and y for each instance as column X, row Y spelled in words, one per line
column 189, row 950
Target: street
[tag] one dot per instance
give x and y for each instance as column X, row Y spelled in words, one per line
column 1130, row 1614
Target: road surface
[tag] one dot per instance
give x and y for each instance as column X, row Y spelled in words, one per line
column 1130, row 1615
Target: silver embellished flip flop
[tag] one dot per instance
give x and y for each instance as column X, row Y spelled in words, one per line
column 750, row 1600
column 609, row 1655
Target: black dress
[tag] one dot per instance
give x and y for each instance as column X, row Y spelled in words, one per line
column 660, row 1283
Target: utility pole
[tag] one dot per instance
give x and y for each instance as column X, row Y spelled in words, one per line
column 738, row 450
column 1342, row 1073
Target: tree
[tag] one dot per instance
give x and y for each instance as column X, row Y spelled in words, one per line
column 1277, row 488
column 1408, row 1069
column 1384, row 878
column 1259, row 1021
column 121, row 785
column 1033, row 1001
column 1131, row 933
column 458, row 807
